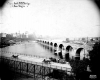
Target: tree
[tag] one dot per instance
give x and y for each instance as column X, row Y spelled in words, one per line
column 94, row 59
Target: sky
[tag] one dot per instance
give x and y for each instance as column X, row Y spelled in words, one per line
column 60, row 18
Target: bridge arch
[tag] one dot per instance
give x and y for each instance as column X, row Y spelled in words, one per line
column 61, row 46
column 51, row 46
column 55, row 48
column 55, row 45
column 69, row 48
column 60, row 51
column 48, row 42
column 51, row 43
column 78, row 51
column 43, row 41
column 67, row 54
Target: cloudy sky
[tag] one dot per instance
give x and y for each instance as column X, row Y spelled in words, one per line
column 67, row 18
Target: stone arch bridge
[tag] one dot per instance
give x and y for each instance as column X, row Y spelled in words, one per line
column 66, row 50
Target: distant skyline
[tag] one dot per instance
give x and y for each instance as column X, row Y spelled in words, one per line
column 60, row 18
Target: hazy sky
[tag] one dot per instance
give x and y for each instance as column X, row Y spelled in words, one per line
column 68, row 18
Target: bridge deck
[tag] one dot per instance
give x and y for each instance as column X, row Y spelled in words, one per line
column 36, row 68
column 39, row 61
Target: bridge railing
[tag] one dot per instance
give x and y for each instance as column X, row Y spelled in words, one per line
column 35, row 69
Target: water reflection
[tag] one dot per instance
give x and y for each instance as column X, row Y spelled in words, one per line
column 46, row 47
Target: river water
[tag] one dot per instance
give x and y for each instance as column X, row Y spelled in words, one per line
column 29, row 48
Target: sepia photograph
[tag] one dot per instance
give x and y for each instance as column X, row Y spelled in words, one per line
column 49, row 39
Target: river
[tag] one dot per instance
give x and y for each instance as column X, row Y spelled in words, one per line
column 29, row 48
